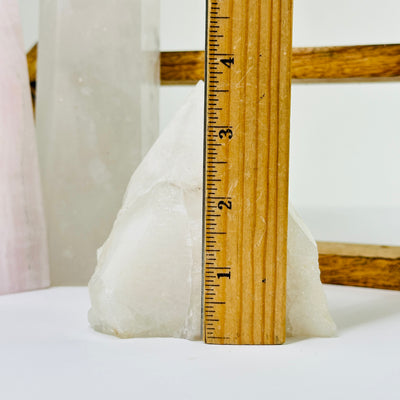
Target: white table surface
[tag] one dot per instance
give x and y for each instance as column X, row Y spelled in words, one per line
column 48, row 351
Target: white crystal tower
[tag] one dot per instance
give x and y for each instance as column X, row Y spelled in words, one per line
column 23, row 247
column 148, row 277
column 97, row 116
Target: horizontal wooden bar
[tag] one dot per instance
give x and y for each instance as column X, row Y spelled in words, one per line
column 32, row 67
column 347, row 63
column 314, row 64
column 182, row 67
column 360, row 265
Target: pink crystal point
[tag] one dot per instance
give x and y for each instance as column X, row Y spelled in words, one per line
column 23, row 247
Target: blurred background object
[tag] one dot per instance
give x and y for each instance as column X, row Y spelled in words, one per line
column 23, row 246
column 96, row 117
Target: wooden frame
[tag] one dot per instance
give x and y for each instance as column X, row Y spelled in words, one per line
column 344, row 264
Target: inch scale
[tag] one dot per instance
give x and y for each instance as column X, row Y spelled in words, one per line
column 246, row 159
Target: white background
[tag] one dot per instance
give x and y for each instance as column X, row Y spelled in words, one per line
column 345, row 152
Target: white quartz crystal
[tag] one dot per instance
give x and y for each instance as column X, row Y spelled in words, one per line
column 148, row 277
column 23, row 246
column 306, row 312
column 97, row 116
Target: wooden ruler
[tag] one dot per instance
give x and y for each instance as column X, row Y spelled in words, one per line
column 248, row 80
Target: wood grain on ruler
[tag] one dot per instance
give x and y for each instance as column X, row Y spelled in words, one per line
column 360, row 265
column 247, row 147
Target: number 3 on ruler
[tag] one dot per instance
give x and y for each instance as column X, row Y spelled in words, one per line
column 225, row 133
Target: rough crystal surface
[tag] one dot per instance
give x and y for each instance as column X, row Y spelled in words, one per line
column 23, row 247
column 307, row 312
column 97, row 108
column 148, row 277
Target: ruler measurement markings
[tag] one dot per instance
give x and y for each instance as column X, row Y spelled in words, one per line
column 213, row 100
column 218, row 164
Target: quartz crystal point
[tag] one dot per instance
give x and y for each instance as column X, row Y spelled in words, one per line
column 97, row 116
column 23, row 247
column 148, row 277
